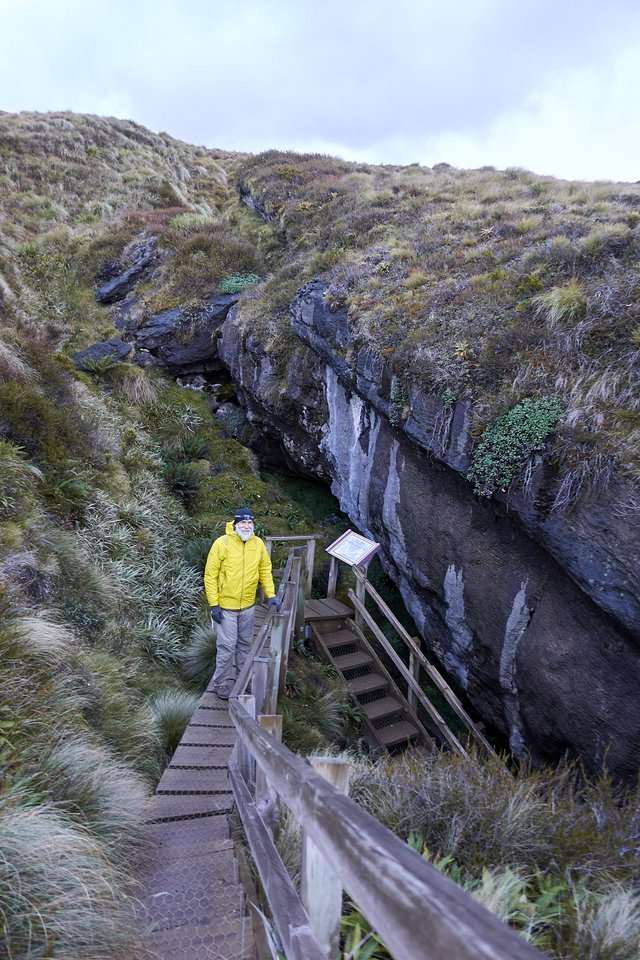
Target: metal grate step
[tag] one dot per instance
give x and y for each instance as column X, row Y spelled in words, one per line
column 368, row 684
column 352, row 664
column 397, row 733
column 338, row 637
column 383, row 711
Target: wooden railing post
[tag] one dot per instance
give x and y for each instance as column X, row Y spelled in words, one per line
column 311, row 552
column 333, row 578
column 259, row 678
column 414, row 669
column 320, row 886
column 266, row 798
column 298, row 598
column 360, row 594
column 246, row 762
column 278, row 639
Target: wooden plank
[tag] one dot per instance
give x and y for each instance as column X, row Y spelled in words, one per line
column 333, row 578
column 326, row 609
column 206, row 942
column 208, row 736
column 207, row 717
column 265, row 798
column 320, row 886
column 417, row 911
column 289, row 916
column 292, row 537
column 200, row 755
column 170, row 838
column 168, row 806
column 193, row 781
column 213, row 702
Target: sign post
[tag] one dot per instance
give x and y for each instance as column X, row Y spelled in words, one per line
column 353, row 549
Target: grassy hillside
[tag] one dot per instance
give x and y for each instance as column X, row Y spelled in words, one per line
column 486, row 285
column 112, row 487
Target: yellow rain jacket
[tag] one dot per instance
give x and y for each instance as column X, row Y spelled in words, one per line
column 233, row 569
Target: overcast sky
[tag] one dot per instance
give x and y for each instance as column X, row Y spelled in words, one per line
column 549, row 85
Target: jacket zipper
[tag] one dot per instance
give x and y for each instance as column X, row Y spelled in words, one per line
column 244, row 547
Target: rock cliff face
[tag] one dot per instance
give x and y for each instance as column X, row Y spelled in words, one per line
column 535, row 614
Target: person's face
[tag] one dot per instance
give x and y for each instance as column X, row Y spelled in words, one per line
column 244, row 528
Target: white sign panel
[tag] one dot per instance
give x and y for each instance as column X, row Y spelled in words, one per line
column 353, row 548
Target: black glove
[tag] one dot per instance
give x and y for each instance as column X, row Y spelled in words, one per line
column 216, row 614
column 274, row 602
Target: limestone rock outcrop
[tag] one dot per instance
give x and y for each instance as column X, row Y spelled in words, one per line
column 534, row 613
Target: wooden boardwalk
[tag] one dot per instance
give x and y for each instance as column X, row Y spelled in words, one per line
column 193, row 902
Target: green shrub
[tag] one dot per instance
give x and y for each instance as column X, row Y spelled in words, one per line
column 185, row 480
column 507, row 443
column 237, row 282
column 49, row 432
column 18, row 482
column 100, row 365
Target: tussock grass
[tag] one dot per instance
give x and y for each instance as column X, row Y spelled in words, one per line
column 172, row 711
column 506, row 263
column 59, row 893
column 607, row 925
column 198, row 658
column 103, row 793
column 549, row 851
column 12, row 366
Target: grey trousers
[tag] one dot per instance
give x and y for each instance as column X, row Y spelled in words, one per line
column 235, row 636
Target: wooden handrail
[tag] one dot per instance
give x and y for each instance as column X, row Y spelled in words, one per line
column 429, row 668
column 289, row 916
column 418, row 912
column 419, row 693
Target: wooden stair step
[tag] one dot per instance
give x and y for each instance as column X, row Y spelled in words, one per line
column 208, row 736
column 367, row 684
column 396, row 733
column 353, row 661
column 384, row 707
column 326, row 609
column 182, row 780
column 170, row 806
column 233, row 942
column 208, row 717
column 338, row 638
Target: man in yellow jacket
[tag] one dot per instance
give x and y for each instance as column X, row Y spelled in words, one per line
column 237, row 562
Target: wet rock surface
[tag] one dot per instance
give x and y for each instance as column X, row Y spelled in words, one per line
column 118, row 277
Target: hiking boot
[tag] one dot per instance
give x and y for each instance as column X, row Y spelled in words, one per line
column 223, row 690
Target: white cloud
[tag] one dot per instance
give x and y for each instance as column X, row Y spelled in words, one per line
column 546, row 86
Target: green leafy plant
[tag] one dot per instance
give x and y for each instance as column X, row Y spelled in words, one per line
column 359, row 941
column 507, row 443
column 100, row 365
column 237, row 282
